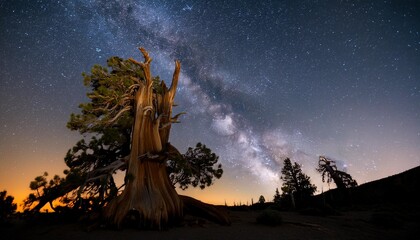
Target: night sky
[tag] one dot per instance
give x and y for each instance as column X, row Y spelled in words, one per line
column 260, row 81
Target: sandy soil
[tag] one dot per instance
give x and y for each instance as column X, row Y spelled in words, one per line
column 348, row 225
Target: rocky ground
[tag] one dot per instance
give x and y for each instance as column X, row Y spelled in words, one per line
column 372, row 223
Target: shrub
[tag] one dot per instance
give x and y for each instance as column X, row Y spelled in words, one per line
column 7, row 207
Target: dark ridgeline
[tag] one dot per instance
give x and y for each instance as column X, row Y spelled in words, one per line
column 398, row 189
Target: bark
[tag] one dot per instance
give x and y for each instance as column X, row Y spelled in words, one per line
column 54, row 193
column 148, row 191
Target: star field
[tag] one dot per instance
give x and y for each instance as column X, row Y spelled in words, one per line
column 260, row 81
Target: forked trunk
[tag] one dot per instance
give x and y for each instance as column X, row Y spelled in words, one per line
column 149, row 197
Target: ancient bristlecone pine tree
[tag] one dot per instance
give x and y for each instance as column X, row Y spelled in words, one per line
column 148, row 193
column 329, row 170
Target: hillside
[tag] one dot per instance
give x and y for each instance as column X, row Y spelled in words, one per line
column 397, row 189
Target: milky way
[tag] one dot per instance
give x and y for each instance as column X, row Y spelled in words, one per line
column 260, row 81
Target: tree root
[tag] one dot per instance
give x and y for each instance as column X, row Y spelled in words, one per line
column 198, row 208
column 192, row 206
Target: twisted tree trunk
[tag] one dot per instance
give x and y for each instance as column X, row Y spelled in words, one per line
column 334, row 175
column 149, row 192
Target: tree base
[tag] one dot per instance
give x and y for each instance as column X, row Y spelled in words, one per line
column 150, row 201
column 148, row 198
column 191, row 206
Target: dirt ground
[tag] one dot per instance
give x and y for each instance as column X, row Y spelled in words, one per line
column 348, row 225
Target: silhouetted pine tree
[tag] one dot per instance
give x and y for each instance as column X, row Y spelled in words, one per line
column 297, row 187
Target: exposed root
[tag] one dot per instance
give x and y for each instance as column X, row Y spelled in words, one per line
column 198, row 208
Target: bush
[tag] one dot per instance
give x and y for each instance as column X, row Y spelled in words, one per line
column 270, row 218
column 7, row 207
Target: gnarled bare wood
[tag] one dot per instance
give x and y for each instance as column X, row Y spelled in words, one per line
column 148, row 190
column 198, row 208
